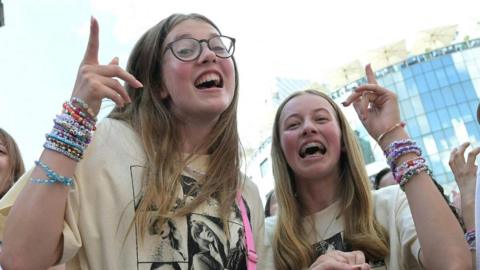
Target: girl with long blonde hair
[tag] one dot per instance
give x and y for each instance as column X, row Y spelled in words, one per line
column 167, row 154
column 328, row 217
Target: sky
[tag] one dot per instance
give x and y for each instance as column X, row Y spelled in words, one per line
column 43, row 41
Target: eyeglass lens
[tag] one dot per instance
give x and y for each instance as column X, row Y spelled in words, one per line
column 188, row 48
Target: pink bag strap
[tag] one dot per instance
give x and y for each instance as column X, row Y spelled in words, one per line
column 249, row 242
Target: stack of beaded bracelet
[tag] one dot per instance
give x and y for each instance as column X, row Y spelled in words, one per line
column 72, row 131
column 470, row 237
column 405, row 171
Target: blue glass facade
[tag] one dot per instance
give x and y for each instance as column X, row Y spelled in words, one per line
column 438, row 94
column 286, row 86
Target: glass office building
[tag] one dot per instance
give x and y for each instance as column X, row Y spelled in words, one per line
column 438, row 93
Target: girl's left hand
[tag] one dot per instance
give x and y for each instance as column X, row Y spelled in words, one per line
column 465, row 172
column 376, row 106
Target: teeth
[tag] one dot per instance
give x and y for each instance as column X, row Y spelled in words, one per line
column 321, row 148
column 208, row 77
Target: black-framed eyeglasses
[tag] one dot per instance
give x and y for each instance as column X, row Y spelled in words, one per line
column 189, row 49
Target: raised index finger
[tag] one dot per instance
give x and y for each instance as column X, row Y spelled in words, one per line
column 91, row 54
column 370, row 75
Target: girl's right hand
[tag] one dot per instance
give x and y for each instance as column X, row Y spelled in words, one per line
column 95, row 82
column 339, row 260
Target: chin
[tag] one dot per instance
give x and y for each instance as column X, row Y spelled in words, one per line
column 218, row 107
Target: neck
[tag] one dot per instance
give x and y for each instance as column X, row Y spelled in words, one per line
column 194, row 134
column 318, row 194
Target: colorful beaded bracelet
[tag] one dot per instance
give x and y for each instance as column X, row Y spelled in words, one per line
column 66, row 147
column 399, row 143
column 63, row 151
column 398, row 174
column 52, row 176
column 84, row 106
column 400, row 151
column 471, row 239
column 67, row 136
column 71, row 144
column 78, row 111
column 407, row 176
column 81, row 133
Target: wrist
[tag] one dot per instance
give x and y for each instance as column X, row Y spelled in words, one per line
column 467, row 201
column 396, row 135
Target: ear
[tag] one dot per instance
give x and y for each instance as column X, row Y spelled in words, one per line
column 163, row 93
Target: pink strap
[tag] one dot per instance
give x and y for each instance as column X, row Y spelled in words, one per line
column 249, row 242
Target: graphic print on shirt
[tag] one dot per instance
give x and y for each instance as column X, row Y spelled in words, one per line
column 196, row 241
column 336, row 243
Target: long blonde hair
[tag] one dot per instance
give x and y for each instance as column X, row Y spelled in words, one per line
column 292, row 248
column 15, row 162
column 152, row 119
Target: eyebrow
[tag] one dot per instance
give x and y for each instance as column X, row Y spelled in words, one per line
column 190, row 36
column 314, row 111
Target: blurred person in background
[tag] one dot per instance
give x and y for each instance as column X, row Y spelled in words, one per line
column 465, row 172
column 384, row 178
column 11, row 163
column 271, row 204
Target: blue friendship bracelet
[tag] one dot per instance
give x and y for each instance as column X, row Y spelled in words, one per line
column 53, row 177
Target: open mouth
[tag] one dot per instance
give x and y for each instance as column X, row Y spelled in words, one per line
column 312, row 149
column 209, row 80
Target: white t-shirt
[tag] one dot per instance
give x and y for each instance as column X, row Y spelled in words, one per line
column 99, row 233
column 392, row 212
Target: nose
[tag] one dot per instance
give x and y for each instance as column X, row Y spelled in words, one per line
column 309, row 128
column 206, row 55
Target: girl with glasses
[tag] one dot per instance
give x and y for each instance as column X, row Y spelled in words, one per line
column 327, row 216
column 167, row 152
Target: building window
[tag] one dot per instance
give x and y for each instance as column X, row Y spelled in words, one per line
column 264, row 167
column 366, row 148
